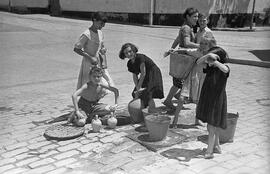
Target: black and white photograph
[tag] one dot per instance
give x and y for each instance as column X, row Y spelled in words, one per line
column 134, row 86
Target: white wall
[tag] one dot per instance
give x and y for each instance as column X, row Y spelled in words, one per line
column 211, row 6
column 124, row 6
column 4, row 3
column 30, row 3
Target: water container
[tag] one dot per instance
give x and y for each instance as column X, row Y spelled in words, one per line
column 135, row 110
column 157, row 126
column 227, row 135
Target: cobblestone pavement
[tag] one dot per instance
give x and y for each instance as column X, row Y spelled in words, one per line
column 30, row 98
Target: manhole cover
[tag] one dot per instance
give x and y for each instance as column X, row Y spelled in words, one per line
column 63, row 132
column 263, row 102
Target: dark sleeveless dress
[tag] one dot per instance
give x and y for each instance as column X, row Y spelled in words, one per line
column 212, row 106
column 152, row 81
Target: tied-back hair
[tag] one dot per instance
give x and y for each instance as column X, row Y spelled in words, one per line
column 190, row 11
column 99, row 16
column 223, row 55
column 95, row 70
column 126, row 45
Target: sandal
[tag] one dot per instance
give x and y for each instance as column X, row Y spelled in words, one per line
column 216, row 150
column 169, row 105
column 208, row 155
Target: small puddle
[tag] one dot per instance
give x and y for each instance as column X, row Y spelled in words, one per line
column 7, row 109
column 263, row 101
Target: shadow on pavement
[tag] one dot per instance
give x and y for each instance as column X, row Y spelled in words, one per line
column 262, row 54
column 182, row 154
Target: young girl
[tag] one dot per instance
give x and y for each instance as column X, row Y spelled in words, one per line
column 90, row 93
column 146, row 75
column 185, row 39
column 91, row 46
column 212, row 106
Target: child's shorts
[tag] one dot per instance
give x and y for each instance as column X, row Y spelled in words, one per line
column 92, row 108
column 178, row 82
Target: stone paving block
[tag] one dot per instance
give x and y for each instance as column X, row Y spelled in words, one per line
column 23, row 156
column 243, row 169
column 204, row 164
column 116, row 157
column 120, row 140
column 103, row 148
column 14, row 152
column 137, row 163
column 87, row 141
column 6, row 167
column 214, row 170
column 123, row 146
column 58, row 171
column 16, row 170
column 139, row 155
column 115, row 164
column 41, row 162
column 38, row 145
column 24, row 127
column 231, row 164
column 62, row 143
column 258, row 163
column 124, row 128
column 37, row 138
column 15, row 146
column 7, row 161
column 27, row 161
column 66, row 154
column 48, row 147
column 48, row 153
column 69, row 147
column 104, row 133
column 113, row 137
column 65, row 162
column 40, row 170
column 91, row 135
column 89, row 147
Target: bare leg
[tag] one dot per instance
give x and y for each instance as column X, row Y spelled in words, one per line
column 177, row 111
column 211, row 142
column 151, row 105
column 217, row 148
column 168, row 101
column 197, row 121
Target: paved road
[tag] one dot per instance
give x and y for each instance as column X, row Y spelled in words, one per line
column 38, row 73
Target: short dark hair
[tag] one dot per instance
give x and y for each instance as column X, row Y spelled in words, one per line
column 95, row 70
column 126, row 45
column 99, row 16
column 202, row 15
column 190, row 11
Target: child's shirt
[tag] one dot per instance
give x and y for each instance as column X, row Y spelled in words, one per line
column 93, row 93
column 201, row 33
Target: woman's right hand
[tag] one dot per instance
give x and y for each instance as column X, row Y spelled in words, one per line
column 166, row 53
column 79, row 115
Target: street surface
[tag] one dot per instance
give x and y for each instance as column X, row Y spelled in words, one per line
column 38, row 74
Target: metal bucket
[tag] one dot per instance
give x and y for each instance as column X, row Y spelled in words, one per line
column 227, row 135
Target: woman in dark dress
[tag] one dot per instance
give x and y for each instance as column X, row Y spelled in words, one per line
column 146, row 75
column 212, row 106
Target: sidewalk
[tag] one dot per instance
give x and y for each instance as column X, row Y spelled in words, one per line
column 39, row 73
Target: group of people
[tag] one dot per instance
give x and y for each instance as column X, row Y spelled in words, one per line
column 206, row 81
